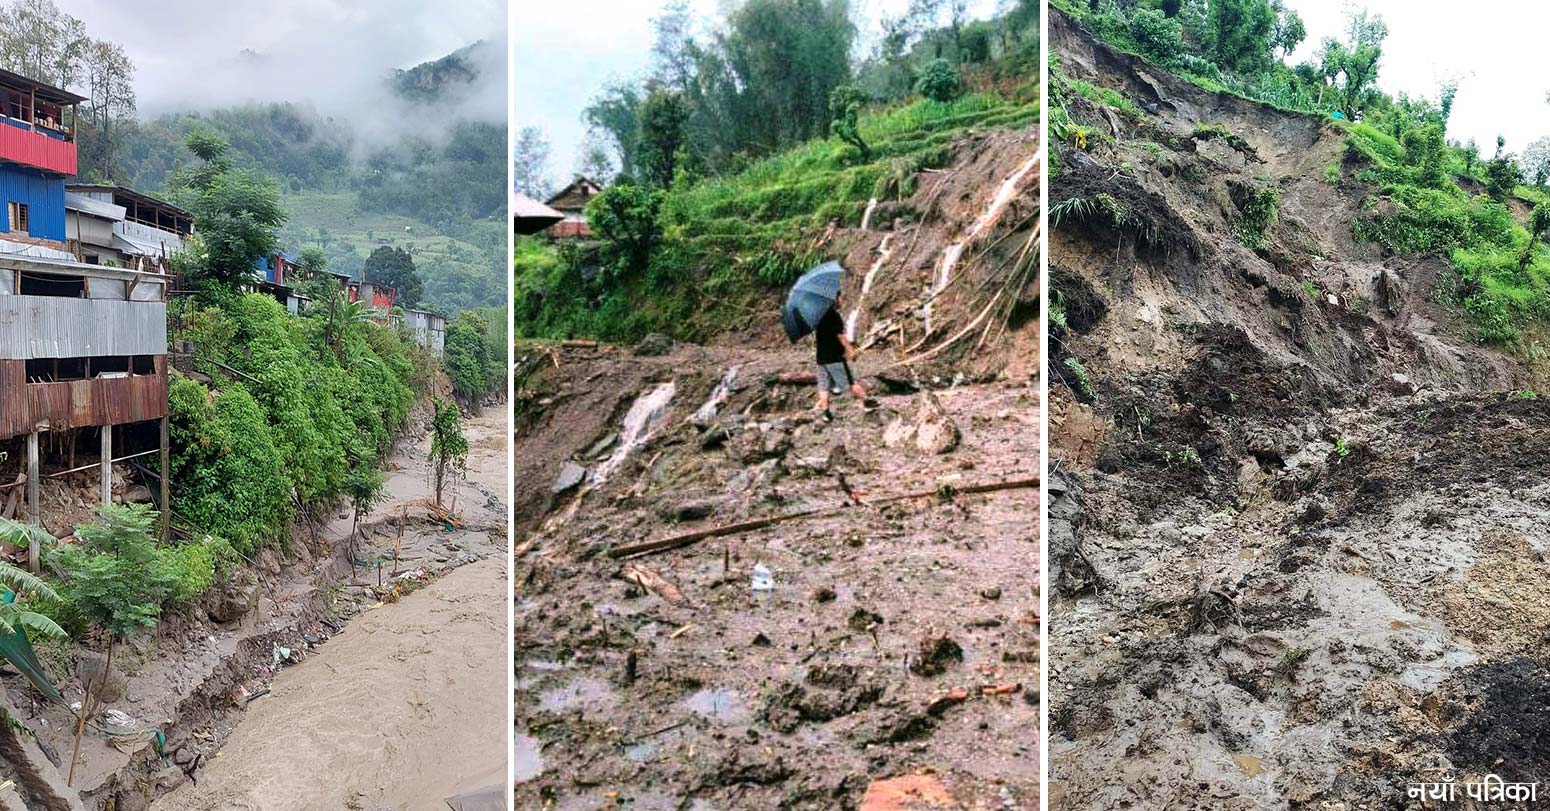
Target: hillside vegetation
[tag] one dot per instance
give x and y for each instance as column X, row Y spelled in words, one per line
column 1422, row 192
column 692, row 245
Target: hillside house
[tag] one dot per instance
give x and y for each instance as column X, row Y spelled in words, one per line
column 117, row 226
column 428, row 329
column 571, row 201
column 83, row 346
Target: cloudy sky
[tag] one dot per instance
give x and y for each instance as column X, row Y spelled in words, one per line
column 566, row 52
column 189, row 53
column 1489, row 46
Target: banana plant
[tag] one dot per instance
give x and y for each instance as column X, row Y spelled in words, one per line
column 15, row 580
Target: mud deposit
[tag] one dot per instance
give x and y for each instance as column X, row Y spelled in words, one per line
column 897, row 637
column 1298, row 539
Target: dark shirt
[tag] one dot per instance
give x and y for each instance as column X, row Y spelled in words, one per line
column 828, row 333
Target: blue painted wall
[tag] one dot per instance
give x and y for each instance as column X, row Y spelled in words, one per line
column 44, row 196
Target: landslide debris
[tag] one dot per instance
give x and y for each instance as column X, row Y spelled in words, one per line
column 1298, row 510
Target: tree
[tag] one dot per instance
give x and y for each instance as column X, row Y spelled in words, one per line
column 845, row 105
column 625, row 216
column 615, row 113
column 1240, row 34
column 42, row 42
column 467, row 358
column 1352, row 68
column 1538, row 225
column 116, row 574
column 530, row 163
column 449, row 448
column 394, row 267
column 593, row 160
column 1535, row 162
column 939, row 81
column 364, row 486
column 662, row 118
column 1471, row 152
column 672, row 48
column 237, row 215
column 1289, row 31
column 1501, row 174
column 1156, row 35
column 109, row 110
column 777, row 61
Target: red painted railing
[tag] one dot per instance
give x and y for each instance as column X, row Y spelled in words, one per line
column 35, row 149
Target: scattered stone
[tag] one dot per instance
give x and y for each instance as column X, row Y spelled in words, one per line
column 714, row 437
column 571, row 475
column 992, row 593
column 864, row 620
column 761, row 641
column 911, row 792
column 824, row 594
column 597, row 448
column 654, row 345
column 135, row 494
column 931, row 430
column 935, row 654
column 690, row 510
column 233, row 599
column 947, row 700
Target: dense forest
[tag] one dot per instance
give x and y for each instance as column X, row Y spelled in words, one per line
column 1427, row 193
column 428, row 191
column 725, row 162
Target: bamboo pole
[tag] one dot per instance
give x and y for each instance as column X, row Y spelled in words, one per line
column 685, row 539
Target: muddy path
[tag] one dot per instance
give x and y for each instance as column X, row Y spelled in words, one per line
column 1298, row 537
column 898, row 637
column 406, row 706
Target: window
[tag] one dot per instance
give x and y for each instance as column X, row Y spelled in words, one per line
column 18, row 218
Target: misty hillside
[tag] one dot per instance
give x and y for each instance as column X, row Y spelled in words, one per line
column 426, row 189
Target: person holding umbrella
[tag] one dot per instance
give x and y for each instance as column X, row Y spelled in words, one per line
column 813, row 306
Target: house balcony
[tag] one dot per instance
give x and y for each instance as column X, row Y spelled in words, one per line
column 37, row 146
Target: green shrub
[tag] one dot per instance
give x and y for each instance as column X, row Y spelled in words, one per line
column 119, row 577
column 939, row 81
column 228, row 475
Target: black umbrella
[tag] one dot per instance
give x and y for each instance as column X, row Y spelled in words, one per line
column 810, row 298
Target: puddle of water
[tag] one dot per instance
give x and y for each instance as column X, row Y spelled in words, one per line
column 640, row 422
column 643, row 752
column 725, row 706
column 527, row 759
column 578, row 695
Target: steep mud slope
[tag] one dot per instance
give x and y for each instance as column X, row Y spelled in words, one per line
column 1298, row 525
column 897, row 651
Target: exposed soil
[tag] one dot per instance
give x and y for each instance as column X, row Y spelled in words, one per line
column 209, row 668
column 1298, row 533
column 900, row 636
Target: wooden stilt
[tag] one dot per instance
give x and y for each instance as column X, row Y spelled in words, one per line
column 107, row 465
column 166, row 487
column 34, row 511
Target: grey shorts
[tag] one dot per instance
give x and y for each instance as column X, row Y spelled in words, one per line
column 835, row 377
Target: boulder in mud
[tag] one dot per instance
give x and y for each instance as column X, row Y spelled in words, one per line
column 233, row 598
column 910, row 792
column 931, row 430
column 654, row 345
column 107, row 685
column 690, row 509
column 935, row 653
column 828, row 692
column 571, row 475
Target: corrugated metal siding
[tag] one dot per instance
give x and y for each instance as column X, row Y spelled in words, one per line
column 44, row 196
column 36, row 149
column 48, row 327
column 78, row 403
